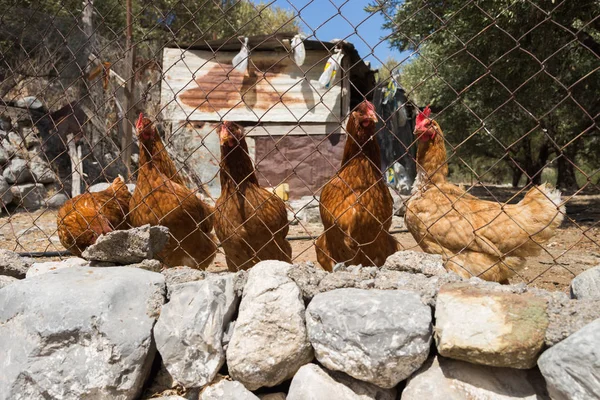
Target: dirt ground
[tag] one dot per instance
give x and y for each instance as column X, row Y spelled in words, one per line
column 575, row 248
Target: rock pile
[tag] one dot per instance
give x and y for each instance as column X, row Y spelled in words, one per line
column 26, row 177
column 408, row 330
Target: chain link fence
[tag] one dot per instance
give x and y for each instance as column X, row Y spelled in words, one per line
column 513, row 86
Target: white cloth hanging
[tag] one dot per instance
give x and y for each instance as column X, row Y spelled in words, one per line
column 240, row 61
column 331, row 68
column 299, row 53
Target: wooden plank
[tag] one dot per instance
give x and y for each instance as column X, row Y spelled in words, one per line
column 201, row 86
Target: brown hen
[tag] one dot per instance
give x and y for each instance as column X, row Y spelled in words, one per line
column 356, row 205
column 251, row 222
column 475, row 237
column 85, row 217
column 162, row 198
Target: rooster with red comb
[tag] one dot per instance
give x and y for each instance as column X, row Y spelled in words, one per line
column 479, row 238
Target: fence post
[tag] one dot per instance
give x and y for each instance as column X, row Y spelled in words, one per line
column 76, row 165
column 127, row 139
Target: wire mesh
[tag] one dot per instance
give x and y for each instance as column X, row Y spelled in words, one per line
column 512, row 85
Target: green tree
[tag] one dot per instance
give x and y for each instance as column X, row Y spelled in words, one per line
column 512, row 80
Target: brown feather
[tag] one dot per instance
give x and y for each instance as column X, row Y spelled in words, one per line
column 85, row 217
column 356, row 206
column 475, row 237
column 251, row 222
column 161, row 198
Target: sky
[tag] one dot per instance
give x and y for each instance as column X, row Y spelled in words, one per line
column 345, row 19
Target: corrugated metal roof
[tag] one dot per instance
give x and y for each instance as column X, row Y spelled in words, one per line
column 202, row 86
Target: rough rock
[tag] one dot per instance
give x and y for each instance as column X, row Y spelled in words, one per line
column 570, row 316
column 177, row 275
column 98, row 187
column 29, row 196
column 31, row 102
column 227, row 390
column 313, row 383
column 571, row 367
column 6, row 195
column 307, row 277
column 427, row 287
column 172, row 397
column 45, row 267
column 12, row 264
column 90, row 327
column 377, row 336
column 349, row 277
column 6, row 280
column 272, row 396
column 42, row 173
column 56, row 200
column 128, row 246
column 399, row 203
column 304, row 210
column 375, row 278
column 490, row 327
column 269, row 342
column 586, row 285
column 3, row 155
column 416, row 263
column 16, row 171
column 190, row 328
column 443, row 378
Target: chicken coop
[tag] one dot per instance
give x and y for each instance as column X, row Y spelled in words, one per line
column 293, row 124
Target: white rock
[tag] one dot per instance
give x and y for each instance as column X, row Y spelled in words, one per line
column 377, row 336
column 29, row 102
column 29, row 196
column 6, row 280
column 586, row 285
column 490, row 327
column 78, row 333
column 312, row 383
column 41, row 172
column 98, row 187
column 416, row 262
column 56, row 200
column 49, row 266
column 443, row 378
column 6, row 195
column 17, row 171
column 189, row 331
column 572, row 367
column 269, row 342
column 3, row 155
column 128, row 246
column 11, row 264
column 305, row 210
column 272, row 396
column 227, row 390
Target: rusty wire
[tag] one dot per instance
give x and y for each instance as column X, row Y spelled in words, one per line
column 80, row 70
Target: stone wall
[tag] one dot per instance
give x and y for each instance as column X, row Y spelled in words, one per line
column 409, row 330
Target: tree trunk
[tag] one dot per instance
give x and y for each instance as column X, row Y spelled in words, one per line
column 566, row 173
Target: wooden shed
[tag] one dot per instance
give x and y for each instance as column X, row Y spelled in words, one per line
column 293, row 124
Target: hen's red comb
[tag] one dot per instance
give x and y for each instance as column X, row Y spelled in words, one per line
column 423, row 116
column 140, row 121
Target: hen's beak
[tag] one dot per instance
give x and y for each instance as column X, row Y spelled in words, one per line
column 223, row 135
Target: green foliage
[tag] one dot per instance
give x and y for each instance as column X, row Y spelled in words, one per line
column 515, row 80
